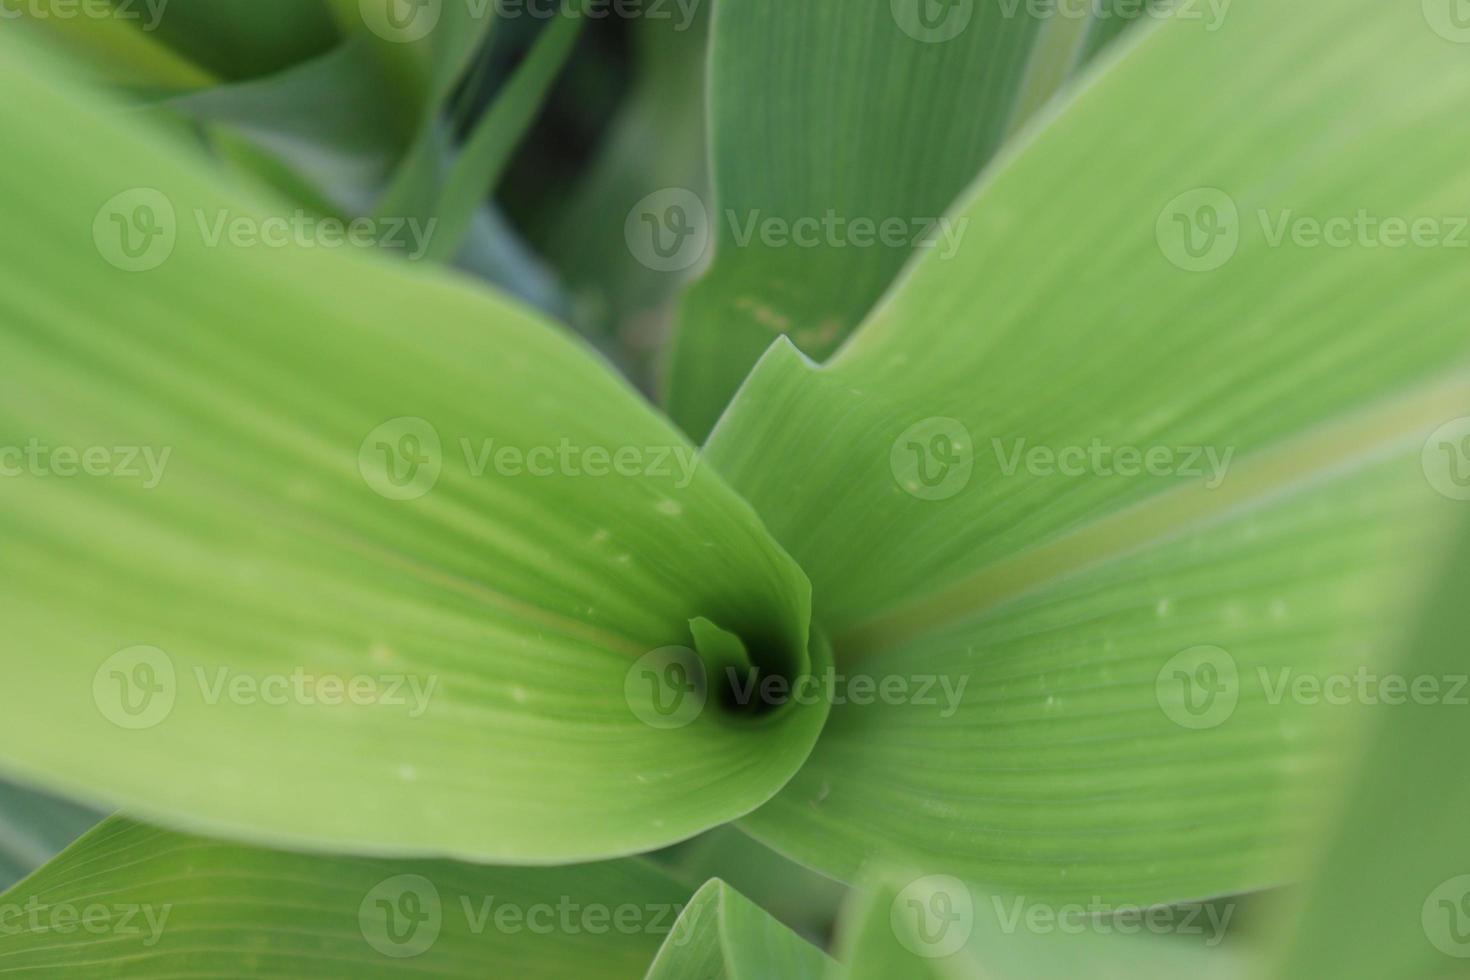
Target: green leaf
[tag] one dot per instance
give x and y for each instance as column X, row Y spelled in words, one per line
column 657, row 140
column 132, row 901
column 937, row 927
column 313, row 118
column 33, row 827
column 722, row 935
column 802, row 899
column 1065, row 321
column 1389, row 898
column 121, row 50
column 361, row 558
column 852, row 109
column 239, row 39
column 486, row 152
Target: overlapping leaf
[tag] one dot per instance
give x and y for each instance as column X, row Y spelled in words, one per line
column 722, row 935
column 841, row 131
column 1128, row 421
column 1390, row 895
column 132, row 901
column 307, row 547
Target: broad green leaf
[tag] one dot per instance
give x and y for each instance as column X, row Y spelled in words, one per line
column 830, row 119
column 1390, row 898
column 133, row 901
column 722, row 935
column 33, row 827
column 950, row 481
column 937, row 927
column 339, row 553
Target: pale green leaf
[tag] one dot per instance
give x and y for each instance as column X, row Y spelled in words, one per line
column 722, row 935
column 298, row 485
column 1290, row 391
column 1390, row 897
column 133, row 901
column 938, row 927
column 825, row 116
